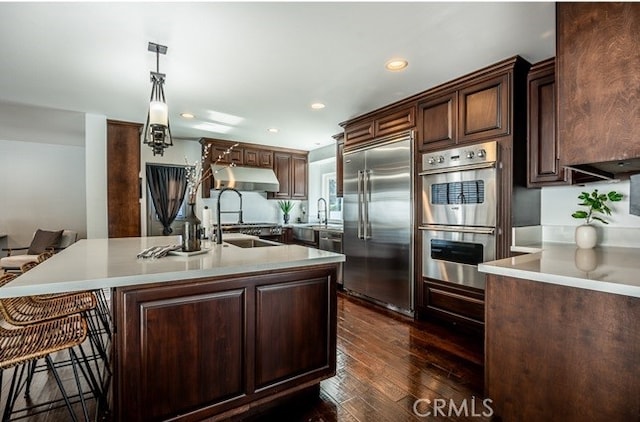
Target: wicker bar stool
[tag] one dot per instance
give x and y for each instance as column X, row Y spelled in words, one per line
column 102, row 311
column 34, row 309
column 21, row 346
column 23, row 311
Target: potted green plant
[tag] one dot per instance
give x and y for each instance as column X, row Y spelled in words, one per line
column 286, row 207
column 595, row 202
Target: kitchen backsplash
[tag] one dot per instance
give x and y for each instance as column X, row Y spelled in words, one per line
column 559, row 202
column 557, row 225
column 256, row 208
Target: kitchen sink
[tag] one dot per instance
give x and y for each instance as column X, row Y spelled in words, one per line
column 304, row 233
column 251, row 243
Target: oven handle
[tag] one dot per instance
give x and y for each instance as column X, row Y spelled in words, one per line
column 459, row 229
column 491, row 164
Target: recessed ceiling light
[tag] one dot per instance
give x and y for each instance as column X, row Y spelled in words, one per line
column 273, row 130
column 187, row 115
column 395, row 65
column 317, row 106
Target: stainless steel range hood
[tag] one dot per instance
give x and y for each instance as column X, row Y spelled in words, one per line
column 245, row 178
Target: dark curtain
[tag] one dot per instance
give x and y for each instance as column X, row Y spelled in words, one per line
column 168, row 186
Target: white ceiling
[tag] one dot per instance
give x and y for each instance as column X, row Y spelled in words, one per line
column 262, row 64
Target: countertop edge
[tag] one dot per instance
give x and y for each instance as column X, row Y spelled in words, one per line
column 505, row 268
column 8, row 290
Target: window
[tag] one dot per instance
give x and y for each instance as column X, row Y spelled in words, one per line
column 329, row 190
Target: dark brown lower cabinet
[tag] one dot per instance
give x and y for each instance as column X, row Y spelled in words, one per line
column 217, row 347
column 460, row 305
column 556, row 353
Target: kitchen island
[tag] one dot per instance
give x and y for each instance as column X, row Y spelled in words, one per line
column 562, row 339
column 204, row 336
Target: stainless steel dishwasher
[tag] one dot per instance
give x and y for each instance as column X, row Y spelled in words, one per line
column 332, row 241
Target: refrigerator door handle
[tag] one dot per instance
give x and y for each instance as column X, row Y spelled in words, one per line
column 366, row 222
column 360, row 236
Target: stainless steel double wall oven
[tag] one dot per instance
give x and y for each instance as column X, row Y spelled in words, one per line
column 459, row 213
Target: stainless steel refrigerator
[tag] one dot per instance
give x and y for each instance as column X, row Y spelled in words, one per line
column 377, row 223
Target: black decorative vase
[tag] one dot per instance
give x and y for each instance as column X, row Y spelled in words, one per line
column 192, row 231
column 285, row 217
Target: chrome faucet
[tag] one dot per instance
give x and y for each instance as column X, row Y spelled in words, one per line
column 324, row 201
column 239, row 212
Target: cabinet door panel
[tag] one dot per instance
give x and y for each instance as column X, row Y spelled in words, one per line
column 251, row 157
column 292, row 336
column 437, row 123
column 189, row 349
column 395, row 122
column 598, row 81
column 298, row 177
column 484, row 110
column 544, row 164
column 265, row 159
column 358, row 133
column 235, row 156
column 282, row 168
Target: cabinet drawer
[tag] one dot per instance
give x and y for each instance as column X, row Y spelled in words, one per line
column 395, row 122
column 484, row 109
column 455, row 302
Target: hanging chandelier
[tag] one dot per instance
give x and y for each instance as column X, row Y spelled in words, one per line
column 157, row 132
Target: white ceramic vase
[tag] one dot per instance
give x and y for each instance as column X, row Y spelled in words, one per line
column 586, row 236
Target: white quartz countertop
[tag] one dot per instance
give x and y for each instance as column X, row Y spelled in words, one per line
column 105, row 263
column 605, row 269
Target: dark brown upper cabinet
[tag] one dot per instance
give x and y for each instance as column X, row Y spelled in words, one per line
column 359, row 133
column 236, row 155
column 484, row 110
column 598, row 78
column 291, row 171
column 282, row 168
column 437, row 120
column 298, row 176
column 289, row 165
column 472, row 108
column 258, row 158
column 542, row 143
column 386, row 123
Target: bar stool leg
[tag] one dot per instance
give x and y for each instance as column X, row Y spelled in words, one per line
column 74, row 361
column 62, row 390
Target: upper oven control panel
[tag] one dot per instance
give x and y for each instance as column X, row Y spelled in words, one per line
column 461, row 156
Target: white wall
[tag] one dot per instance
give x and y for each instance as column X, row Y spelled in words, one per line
column 42, row 167
column 43, row 187
column 96, row 171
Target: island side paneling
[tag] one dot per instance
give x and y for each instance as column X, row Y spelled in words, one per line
column 560, row 353
column 188, row 350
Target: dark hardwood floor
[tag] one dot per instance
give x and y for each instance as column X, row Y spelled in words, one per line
column 386, row 362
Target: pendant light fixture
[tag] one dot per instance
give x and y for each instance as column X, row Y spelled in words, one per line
column 157, row 132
